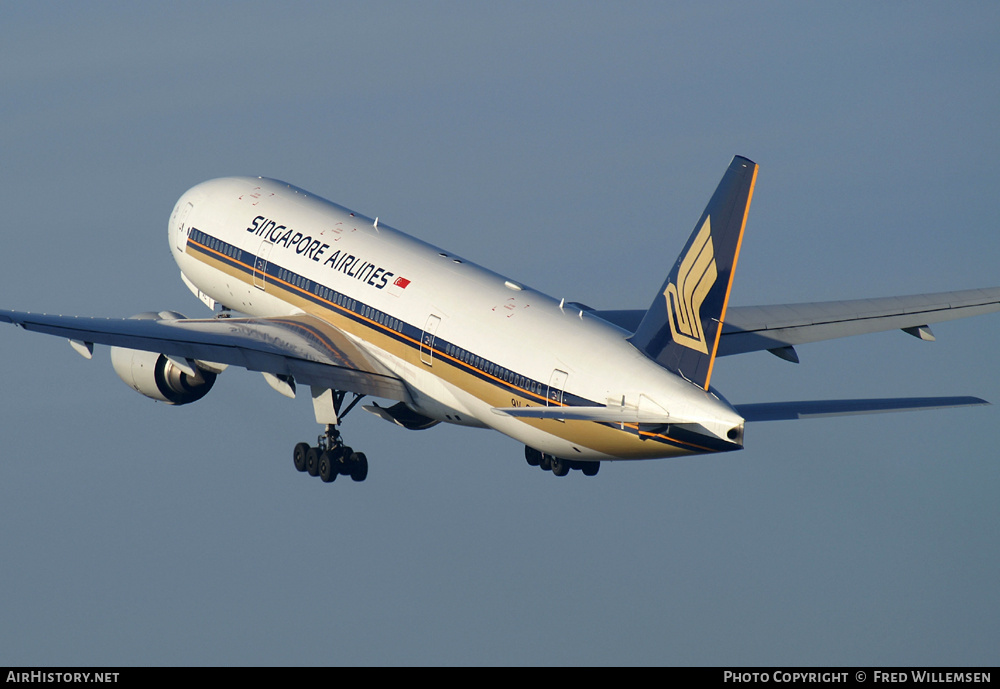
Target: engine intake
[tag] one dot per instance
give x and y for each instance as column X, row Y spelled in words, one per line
column 156, row 376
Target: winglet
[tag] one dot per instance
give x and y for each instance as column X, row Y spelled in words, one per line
column 681, row 329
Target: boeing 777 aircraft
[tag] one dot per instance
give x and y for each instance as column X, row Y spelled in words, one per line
column 322, row 299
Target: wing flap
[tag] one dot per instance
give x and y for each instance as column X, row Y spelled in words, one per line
column 304, row 347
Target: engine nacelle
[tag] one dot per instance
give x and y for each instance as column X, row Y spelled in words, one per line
column 156, row 376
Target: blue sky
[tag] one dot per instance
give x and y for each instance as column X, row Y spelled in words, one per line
column 571, row 146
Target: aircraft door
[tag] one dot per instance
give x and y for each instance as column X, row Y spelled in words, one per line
column 427, row 339
column 557, row 385
column 260, row 264
column 180, row 226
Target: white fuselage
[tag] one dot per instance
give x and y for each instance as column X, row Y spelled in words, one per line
column 464, row 339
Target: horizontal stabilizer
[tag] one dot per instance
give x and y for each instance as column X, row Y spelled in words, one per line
column 806, row 409
column 757, row 328
column 600, row 414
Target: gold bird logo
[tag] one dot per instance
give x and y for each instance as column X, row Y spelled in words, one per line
column 695, row 277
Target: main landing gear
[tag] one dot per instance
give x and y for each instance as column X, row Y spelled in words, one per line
column 330, row 457
column 558, row 465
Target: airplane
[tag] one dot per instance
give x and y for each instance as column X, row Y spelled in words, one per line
column 316, row 296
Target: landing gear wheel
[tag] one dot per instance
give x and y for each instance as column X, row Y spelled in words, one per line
column 330, row 456
column 560, row 467
column 545, row 463
column 590, row 468
column 359, row 466
column 299, row 456
column 327, row 467
column 312, row 461
column 532, row 456
column 344, row 460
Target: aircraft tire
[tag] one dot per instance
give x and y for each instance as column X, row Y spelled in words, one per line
column 327, row 468
column 312, row 461
column 532, row 456
column 359, row 466
column 299, row 456
column 590, row 468
column 344, row 460
column 560, row 467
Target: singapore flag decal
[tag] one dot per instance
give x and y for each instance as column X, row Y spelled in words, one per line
column 397, row 286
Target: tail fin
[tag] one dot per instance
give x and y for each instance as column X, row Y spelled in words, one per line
column 681, row 329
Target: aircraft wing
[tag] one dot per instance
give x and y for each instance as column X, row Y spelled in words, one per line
column 781, row 326
column 310, row 350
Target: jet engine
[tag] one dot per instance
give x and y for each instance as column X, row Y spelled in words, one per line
column 167, row 379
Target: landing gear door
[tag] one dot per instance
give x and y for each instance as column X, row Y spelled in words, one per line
column 260, row 264
column 427, row 339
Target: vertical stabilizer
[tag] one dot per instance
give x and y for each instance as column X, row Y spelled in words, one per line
column 681, row 329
